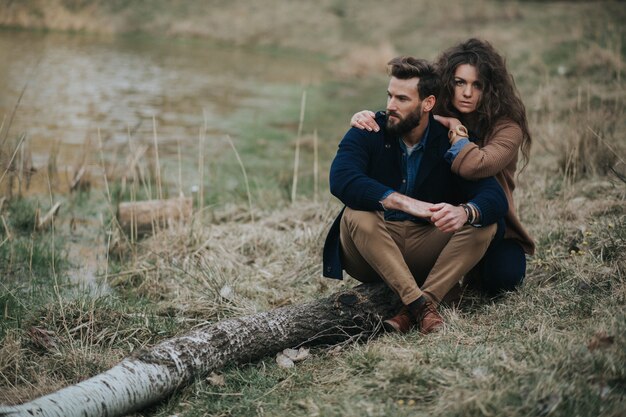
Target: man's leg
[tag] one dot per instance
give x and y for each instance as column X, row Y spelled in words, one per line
column 422, row 246
column 370, row 253
column 460, row 254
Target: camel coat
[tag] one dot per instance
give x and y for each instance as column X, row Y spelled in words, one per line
column 496, row 156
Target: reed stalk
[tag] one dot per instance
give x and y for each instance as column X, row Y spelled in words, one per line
column 12, row 157
column 315, row 166
column 156, row 156
column 201, row 172
column 180, row 171
column 296, row 162
column 245, row 176
column 17, row 104
column 104, row 171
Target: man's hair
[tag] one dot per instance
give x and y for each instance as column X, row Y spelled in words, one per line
column 406, row 67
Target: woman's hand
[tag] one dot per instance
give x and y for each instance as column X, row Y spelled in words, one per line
column 364, row 120
column 453, row 126
column 448, row 218
column 449, row 122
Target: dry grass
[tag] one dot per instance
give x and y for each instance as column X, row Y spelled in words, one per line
column 234, row 267
column 556, row 347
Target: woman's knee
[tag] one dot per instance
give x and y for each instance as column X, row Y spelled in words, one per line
column 503, row 281
column 503, row 267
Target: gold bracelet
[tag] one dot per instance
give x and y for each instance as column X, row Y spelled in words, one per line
column 458, row 130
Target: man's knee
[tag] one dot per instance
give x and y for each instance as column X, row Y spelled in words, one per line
column 365, row 222
column 479, row 235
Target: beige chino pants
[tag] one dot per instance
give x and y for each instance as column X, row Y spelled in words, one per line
column 408, row 255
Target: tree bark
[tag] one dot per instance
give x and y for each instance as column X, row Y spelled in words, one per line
column 150, row 375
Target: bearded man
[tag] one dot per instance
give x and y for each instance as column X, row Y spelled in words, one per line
column 408, row 221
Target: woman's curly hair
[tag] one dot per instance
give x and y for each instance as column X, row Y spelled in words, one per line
column 500, row 98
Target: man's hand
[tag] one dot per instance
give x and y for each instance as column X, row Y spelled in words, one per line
column 417, row 208
column 364, row 120
column 448, row 218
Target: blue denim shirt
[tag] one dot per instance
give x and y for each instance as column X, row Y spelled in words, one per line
column 410, row 168
column 454, row 150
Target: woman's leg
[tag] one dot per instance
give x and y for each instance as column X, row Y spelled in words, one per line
column 503, row 267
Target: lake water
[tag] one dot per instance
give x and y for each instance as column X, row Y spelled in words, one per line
column 77, row 84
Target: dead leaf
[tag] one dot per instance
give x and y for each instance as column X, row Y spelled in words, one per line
column 42, row 338
column 335, row 350
column 216, row 380
column 283, row 361
column 296, row 355
column 600, row 340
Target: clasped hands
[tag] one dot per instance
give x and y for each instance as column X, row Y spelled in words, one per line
column 444, row 216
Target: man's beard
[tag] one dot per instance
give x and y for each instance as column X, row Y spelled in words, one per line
column 404, row 126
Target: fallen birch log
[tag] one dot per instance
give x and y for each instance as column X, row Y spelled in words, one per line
column 151, row 375
column 145, row 216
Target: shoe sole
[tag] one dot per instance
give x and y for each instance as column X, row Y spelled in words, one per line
column 390, row 327
column 432, row 329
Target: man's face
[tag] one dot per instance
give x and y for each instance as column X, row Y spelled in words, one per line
column 404, row 107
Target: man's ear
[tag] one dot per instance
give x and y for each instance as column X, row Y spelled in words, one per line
column 428, row 103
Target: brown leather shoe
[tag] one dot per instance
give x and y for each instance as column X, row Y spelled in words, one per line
column 430, row 320
column 402, row 322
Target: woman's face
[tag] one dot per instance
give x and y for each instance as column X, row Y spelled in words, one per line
column 467, row 89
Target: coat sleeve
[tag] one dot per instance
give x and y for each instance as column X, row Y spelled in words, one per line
column 488, row 196
column 474, row 162
column 348, row 178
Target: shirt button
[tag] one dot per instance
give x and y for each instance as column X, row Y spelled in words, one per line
column 403, row 181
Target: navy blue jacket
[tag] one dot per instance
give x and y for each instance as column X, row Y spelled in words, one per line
column 367, row 164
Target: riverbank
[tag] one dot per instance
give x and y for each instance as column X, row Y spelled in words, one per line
column 331, row 27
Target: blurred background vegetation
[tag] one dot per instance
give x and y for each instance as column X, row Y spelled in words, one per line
column 218, row 100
